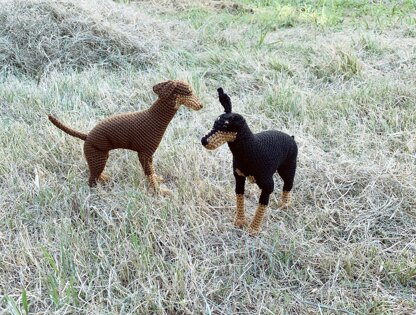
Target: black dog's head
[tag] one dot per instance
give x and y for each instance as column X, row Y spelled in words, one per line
column 226, row 126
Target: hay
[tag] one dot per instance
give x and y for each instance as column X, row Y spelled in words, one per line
column 36, row 36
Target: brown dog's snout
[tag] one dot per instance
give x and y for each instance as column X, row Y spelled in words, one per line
column 196, row 103
column 190, row 101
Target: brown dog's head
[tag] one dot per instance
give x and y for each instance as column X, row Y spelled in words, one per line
column 180, row 91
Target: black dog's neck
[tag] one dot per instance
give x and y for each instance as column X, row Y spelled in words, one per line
column 243, row 143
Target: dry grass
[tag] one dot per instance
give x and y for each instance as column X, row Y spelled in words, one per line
column 40, row 36
column 347, row 94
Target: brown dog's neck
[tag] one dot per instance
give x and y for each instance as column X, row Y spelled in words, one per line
column 162, row 112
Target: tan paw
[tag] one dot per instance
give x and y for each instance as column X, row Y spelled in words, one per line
column 284, row 204
column 252, row 231
column 104, row 178
column 161, row 191
column 159, row 179
column 165, row 192
column 240, row 223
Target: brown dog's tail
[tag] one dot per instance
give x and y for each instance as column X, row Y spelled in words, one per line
column 72, row 132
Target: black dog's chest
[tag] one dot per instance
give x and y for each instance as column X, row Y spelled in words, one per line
column 250, row 178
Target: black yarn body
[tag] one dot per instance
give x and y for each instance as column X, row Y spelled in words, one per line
column 260, row 155
column 255, row 156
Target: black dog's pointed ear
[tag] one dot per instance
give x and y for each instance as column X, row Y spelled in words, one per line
column 224, row 100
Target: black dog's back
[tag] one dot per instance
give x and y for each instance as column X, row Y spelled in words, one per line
column 277, row 147
column 268, row 152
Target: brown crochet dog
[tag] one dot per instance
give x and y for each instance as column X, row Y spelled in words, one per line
column 138, row 131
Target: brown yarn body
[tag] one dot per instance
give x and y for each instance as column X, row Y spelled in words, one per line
column 138, row 131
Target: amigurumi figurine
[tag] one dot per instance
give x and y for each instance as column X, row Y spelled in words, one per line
column 255, row 156
column 139, row 131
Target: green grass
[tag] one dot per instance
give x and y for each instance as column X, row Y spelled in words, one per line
column 336, row 12
column 338, row 75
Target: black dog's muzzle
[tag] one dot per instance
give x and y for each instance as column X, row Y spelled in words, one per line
column 217, row 138
column 204, row 139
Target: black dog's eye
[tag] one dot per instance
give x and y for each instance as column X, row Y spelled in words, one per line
column 226, row 122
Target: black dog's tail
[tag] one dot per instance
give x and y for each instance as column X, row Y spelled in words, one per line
column 72, row 132
column 224, row 100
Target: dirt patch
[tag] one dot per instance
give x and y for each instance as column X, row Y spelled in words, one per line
column 234, row 8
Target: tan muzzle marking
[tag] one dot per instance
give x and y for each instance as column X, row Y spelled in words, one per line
column 189, row 101
column 219, row 138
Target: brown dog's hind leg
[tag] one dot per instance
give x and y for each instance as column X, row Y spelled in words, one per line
column 96, row 160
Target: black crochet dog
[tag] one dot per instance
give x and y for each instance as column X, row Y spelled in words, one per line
column 255, row 156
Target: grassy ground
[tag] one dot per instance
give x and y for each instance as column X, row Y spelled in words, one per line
column 339, row 75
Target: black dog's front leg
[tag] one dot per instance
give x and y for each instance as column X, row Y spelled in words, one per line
column 240, row 218
column 267, row 188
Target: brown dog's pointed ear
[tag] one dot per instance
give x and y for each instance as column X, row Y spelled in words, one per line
column 164, row 89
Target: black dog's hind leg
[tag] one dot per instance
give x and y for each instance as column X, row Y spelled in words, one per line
column 267, row 188
column 287, row 173
column 240, row 217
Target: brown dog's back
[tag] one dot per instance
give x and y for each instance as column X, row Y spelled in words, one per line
column 136, row 131
column 133, row 131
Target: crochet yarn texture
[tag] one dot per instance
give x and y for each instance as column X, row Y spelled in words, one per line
column 139, row 131
column 255, row 157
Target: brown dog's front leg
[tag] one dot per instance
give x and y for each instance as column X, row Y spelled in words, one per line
column 149, row 171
